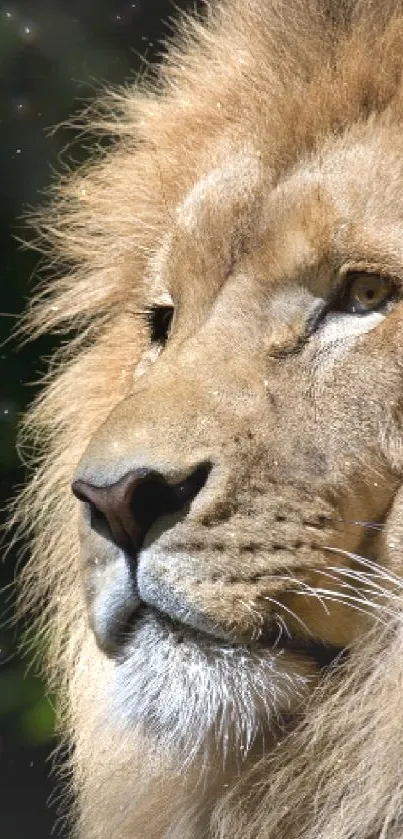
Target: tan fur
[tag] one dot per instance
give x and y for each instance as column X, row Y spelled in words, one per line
column 265, row 161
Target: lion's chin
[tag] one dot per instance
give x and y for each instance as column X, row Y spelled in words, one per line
column 192, row 692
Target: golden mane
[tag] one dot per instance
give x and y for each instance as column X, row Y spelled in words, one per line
column 283, row 76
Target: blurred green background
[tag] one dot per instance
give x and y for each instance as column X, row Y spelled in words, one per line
column 54, row 56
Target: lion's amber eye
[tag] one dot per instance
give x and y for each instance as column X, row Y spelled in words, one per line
column 160, row 320
column 366, row 292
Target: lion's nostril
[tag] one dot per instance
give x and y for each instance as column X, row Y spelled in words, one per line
column 109, row 509
column 98, row 522
column 125, row 511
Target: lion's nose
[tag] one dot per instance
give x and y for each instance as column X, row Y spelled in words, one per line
column 124, row 511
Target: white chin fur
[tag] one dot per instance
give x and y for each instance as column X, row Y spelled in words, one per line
column 193, row 693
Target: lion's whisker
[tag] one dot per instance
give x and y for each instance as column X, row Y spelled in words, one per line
column 362, row 577
column 283, row 629
column 280, row 632
column 371, row 606
column 288, row 611
column 257, row 630
column 354, row 603
column 370, row 525
column 296, row 581
column 377, row 569
column 359, row 578
column 284, row 625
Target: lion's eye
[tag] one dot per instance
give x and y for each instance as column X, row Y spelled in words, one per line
column 366, row 292
column 160, row 320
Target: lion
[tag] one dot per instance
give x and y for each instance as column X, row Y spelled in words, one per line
column 217, row 512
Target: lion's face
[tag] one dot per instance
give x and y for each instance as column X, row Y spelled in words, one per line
column 231, row 498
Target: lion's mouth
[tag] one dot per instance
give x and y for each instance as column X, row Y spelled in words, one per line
column 126, row 597
column 324, row 655
column 121, row 606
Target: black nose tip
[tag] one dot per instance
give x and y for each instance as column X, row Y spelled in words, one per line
column 124, row 511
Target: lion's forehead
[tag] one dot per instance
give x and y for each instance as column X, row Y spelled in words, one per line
column 342, row 202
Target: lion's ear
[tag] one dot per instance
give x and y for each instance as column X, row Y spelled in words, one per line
column 392, row 538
